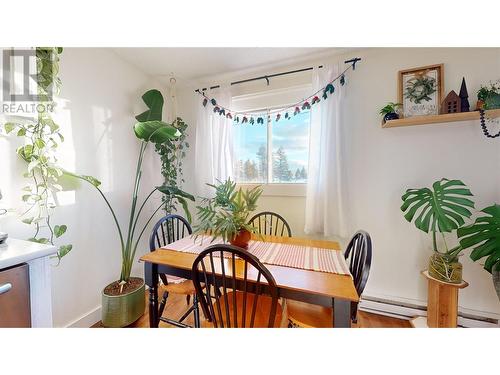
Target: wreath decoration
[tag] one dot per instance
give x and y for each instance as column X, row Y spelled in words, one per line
column 420, row 88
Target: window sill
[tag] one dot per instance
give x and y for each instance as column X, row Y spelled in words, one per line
column 279, row 190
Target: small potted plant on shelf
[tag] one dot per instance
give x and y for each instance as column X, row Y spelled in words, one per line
column 226, row 214
column 488, row 97
column 390, row 111
column 442, row 209
column 484, row 237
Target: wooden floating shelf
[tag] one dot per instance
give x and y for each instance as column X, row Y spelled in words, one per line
column 436, row 119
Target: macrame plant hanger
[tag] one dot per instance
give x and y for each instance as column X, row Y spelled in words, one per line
column 173, row 98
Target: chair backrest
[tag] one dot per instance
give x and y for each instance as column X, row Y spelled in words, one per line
column 235, row 288
column 359, row 258
column 169, row 229
column 271, row 223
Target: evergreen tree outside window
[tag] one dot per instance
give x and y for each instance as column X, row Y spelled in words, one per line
column 276, row 152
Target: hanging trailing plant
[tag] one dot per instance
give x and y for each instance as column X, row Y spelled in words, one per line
column 41, row 137
column 172, row 151
column 172, row 154
column 488, row 97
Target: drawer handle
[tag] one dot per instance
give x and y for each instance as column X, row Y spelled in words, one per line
column 4, row 288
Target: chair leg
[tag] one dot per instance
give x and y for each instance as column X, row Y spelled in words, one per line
column 186, row 314
column 188, row 299
column 162, row 304
column 354, row 312
column 196, row 312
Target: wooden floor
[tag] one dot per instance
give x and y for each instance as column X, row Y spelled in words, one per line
column 176, row 306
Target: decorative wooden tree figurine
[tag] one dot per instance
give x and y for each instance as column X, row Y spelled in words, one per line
column 464, row 101
column 451, row 104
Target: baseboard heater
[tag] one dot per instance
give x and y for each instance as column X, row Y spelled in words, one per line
column 407, row 311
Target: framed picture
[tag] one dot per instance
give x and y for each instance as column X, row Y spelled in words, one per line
column 420, row 90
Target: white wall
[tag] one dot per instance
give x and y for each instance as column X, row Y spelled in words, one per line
column 100, row 96
column 382, row 163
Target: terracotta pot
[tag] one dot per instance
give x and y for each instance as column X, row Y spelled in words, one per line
column 241, row 239
column 479, row 105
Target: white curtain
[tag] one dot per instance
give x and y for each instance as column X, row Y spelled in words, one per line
column 326, row 198
column 214, row 144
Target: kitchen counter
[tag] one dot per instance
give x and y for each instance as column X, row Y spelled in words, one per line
column 19, row 251
column 37, row 256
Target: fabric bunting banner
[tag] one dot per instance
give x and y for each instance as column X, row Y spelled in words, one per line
column 285, row 113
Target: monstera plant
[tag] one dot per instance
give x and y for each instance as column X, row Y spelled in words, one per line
column 484, row 237
column 123, row 300
column 442, row 209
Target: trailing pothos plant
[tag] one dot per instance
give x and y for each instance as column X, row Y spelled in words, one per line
column 148, row 129
column 41, row 137
column 172, row 151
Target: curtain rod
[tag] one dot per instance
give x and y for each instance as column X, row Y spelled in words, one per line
column 266, row 77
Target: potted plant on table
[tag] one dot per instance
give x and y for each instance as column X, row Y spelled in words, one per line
column 226, row 214
column 390, row 111
column 123, row 300
column 441, row 209
column 484, row 236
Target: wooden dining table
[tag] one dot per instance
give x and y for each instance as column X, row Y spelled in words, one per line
column 319, row 288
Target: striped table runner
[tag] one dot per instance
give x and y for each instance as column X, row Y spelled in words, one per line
column 279, row 254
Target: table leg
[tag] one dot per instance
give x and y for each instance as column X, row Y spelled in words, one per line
column 151, row 278
column 341, row 313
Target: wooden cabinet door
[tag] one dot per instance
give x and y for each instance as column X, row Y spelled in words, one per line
column 15, row 297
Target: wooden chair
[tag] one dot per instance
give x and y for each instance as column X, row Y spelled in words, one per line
column 232, row 298
column 359, row 257
column 167, row 230
column 271, row 223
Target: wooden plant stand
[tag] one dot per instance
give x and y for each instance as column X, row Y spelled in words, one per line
column 442, row 303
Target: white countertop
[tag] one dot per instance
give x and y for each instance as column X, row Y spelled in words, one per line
column 19, row 251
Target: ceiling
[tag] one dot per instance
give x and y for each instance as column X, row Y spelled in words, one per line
column 198, row 63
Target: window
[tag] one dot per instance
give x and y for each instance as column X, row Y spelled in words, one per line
column 274, row 153
column 290, row 149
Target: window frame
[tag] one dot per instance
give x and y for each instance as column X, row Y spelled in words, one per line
column 270, row 188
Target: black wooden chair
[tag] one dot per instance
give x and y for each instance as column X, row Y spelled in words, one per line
column 167, row 230
column 271, row 223
column 239, row 290
column 358, row 256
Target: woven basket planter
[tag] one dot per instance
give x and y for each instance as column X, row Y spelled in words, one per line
column 123, row 310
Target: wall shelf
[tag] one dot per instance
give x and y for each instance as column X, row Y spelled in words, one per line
column 435, row 119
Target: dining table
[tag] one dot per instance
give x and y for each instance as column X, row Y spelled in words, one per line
column 328, row 289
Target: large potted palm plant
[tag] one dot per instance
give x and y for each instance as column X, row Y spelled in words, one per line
column 123, row 300
column 440, row 210
column 484, row 236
